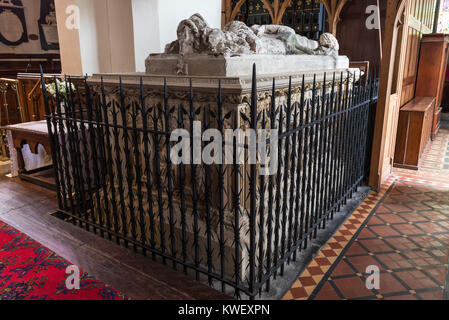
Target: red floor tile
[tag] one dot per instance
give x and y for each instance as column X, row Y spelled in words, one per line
column 408, row 229
column 402, row 297
column 355, row 249
column 375, row 245
column 353, row 288
column 375, row 221
column 444, row 238
column 438, row 274
column 366, row 234
column 361, row 263
column 421, row 258
column 427, row 241
column 441, row 254
column 401, row 243
column 384, row 231
column 431, row 227
column 432, row 295
column 342, row 269
column 298, row 293
column 407, row 237
column 416, row 280
column 382, row 209
column 412, row 217
column 394, row 261
column 420, row 197
column 390, row 218
column 389, row 284
column 327, row 293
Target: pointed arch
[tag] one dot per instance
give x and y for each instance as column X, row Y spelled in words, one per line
column 334, row 8
column 276, row 10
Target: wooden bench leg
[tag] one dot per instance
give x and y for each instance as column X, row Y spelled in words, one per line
column 20, row 161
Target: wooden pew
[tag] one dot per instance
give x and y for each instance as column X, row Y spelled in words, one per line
column 414, row 131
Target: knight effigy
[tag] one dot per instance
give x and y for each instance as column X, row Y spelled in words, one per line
column 195, row 36
column 200, row 50
column 202, row 66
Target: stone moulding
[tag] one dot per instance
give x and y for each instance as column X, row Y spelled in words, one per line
column 235, row 90
column 241, row 65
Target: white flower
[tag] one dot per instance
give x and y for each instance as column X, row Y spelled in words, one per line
column 62, row 88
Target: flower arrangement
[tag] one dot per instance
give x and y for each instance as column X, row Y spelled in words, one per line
column 60, row 87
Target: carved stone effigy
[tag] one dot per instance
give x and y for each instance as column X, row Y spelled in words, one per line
column 204, row 51
column 196, row 37
column 204, row 57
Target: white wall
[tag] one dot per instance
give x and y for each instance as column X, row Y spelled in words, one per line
column 118, row 35
column 69, row 41
column 173, row 11
column 146, row 30
column 89, row 48
column 121, row 36
column 156, row 22
column 106, row 36
column 104, row 42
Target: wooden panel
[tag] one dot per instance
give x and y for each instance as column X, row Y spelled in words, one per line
column 432, row 72
column 9, row 109
column 395, row 37
column 415, row 122
column 34, row 108
column 363, row 44
column 445, row 101
column 420, row 22
column 12, row 64
column 411, row 65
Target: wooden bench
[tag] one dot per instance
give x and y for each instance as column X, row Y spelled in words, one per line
column 414, row 132
column 32, row 134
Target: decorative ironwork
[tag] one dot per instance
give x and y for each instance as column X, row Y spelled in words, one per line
column 226, row 224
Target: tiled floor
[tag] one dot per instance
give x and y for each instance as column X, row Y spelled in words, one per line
column 403, row 231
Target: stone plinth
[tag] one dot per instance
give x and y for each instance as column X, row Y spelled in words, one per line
column 242, row 65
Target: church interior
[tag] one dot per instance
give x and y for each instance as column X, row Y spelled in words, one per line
column 224, row 150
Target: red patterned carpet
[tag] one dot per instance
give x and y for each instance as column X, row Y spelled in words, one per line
column 29, row 271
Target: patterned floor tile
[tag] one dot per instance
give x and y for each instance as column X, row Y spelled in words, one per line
column 403, row 230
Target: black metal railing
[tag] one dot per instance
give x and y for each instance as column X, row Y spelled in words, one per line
column 224, row 223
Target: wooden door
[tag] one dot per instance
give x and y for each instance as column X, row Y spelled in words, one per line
column 390, row 91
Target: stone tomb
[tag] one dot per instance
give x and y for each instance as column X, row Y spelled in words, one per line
column 203, row 56
column 208, row 65
column 236, row 95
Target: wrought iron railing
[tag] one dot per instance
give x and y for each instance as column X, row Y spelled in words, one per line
column 223, row 223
